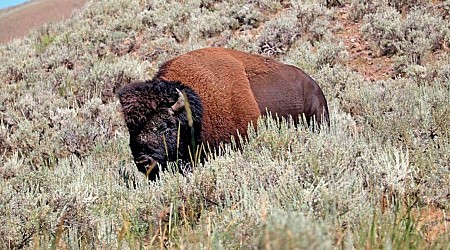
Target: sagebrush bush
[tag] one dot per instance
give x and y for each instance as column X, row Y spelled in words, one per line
column 196, row 19
column 342, row 85
column 67, row 177
column 382, row 29
column 312, row 58
column 406, row 5
column 278, row 35
column 246, row 16
column 414, row 36
column 309, row 20
column 311, row 235
column 311, row 16
column 302, row 56
column 421, row 33
column 359, row 8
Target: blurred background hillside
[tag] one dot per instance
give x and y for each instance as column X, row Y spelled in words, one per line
column 18, row 17
column 11, row 3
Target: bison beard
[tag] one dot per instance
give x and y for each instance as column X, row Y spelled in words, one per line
column 208, row 96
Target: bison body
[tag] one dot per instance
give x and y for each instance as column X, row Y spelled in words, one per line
column 225, row 90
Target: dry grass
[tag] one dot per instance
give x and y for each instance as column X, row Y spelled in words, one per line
column 378, row 178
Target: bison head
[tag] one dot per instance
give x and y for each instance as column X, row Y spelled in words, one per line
column 164, row 123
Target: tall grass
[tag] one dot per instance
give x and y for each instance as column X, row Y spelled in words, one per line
column 378, row 178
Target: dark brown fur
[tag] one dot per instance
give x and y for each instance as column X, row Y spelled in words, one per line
column 233, row 88
column 237, row 87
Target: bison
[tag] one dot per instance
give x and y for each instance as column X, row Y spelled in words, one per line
column 207, row 96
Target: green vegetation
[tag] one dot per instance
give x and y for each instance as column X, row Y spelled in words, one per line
column 379, row 178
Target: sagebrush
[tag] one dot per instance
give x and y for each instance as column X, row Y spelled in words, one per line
column 378, row 178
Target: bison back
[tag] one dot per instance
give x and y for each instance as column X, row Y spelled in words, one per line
column 223, row 86
column 288, row 91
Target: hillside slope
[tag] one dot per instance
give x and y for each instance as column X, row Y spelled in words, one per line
column 377, row 179
column 17, row 21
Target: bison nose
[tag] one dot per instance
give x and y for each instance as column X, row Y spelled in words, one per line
column 148, row 162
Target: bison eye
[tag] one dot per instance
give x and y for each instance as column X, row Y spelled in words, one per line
column 159, row 129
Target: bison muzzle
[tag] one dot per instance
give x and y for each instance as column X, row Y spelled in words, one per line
column 208, row 96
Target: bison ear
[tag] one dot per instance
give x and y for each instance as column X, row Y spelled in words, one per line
column 136, row 102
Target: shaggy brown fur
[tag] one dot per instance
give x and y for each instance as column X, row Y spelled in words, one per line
column 226, row 90
column 237, row 87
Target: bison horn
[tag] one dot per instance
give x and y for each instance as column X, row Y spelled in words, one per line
column 179, row 104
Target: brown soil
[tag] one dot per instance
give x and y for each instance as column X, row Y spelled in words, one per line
column 361, row 57
column 17, row 21
column 435, row 222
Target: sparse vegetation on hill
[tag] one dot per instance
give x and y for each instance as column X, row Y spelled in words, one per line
column 379, row 178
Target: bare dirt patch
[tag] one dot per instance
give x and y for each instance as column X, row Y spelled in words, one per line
column 17, row 21
column 361, row 57
column 434, row 221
